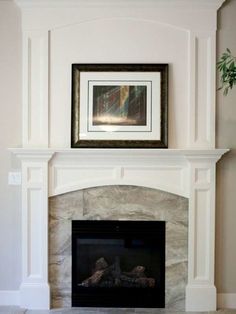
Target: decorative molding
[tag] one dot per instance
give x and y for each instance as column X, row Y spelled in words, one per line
column 200, row 298
column 36, row 68
column 34, row 153
column 189, row 173
column 201, row 235
column 35, row 295
column 25, row 154
column 35, row 88
column 226, row 301
column 201, row 113
column 67, row 178
column 9, row 297
column 202, row 203
column 34, row 289
column 212, row 4
column 73, row 169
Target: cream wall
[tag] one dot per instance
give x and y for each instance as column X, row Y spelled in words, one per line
column 10, row 136
column 10, row 123
column 226, row 172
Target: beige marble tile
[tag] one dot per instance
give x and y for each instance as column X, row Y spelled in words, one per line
column 66, row 206
column 176, row 280
column 176, row 243
column 118, row 203
column 61, row 298
column 60, row 237
column 60, row 272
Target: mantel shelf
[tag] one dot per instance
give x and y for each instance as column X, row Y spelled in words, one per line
column 121, row 152
column 141, row 157
column 78, row 3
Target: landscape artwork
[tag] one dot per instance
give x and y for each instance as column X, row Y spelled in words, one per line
column 120, row 105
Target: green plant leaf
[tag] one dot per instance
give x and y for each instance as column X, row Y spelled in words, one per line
column 232, row 65
column 227, row 68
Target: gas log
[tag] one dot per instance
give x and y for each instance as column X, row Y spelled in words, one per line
column 107, row 276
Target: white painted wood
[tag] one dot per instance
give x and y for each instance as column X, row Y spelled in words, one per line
column 9, row 297
column 127, row 49
column 200, row 298
column 141, row 153
column 34, row 289
column 201, row 264
column 35, row 88
column 226, row 301
column 170, row 3
column 202, row 89
column 186, row 172
column 74, row 177
column 158, row 30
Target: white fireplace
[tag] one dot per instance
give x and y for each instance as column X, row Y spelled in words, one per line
column 56, row 34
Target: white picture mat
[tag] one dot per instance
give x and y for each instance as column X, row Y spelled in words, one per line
column 116, row 132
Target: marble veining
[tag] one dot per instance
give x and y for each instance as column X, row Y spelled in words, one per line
column 18, row 310
column 118, row 203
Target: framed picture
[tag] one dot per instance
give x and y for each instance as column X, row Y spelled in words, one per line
column 119, row 106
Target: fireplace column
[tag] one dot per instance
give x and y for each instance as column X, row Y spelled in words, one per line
column 201, row 291
column 34, row 289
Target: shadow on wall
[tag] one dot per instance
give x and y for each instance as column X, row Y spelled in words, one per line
column 226, row 167
column 225, row 223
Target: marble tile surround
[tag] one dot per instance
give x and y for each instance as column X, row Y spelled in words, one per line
column 118, row 203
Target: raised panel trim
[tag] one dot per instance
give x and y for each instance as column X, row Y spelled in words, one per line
column 138, row 175
column 201, row 111
column 35, row 88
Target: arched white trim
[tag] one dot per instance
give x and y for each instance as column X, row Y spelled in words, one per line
column 123, row 18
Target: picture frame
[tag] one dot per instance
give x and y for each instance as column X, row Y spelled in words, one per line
column 119, row 106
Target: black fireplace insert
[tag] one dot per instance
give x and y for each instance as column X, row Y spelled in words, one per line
column 118, row 263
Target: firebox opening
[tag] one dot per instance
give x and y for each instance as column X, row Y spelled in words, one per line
column 118, row 263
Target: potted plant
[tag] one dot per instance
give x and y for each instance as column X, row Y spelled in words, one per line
column 227, row 69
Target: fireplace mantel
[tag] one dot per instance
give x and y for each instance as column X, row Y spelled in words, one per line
column 212, row 4
column 187, row 172
column 165, row 169
column 24, row 151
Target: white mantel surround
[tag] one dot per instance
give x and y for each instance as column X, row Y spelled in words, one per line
column 57, row 33
column 190, row 173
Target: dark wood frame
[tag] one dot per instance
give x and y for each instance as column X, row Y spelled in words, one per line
column 75, row 140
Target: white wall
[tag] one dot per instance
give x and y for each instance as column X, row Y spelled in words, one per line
column 10, row 136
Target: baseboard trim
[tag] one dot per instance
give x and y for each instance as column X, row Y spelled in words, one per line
column 9, row 297
column 226, row 300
